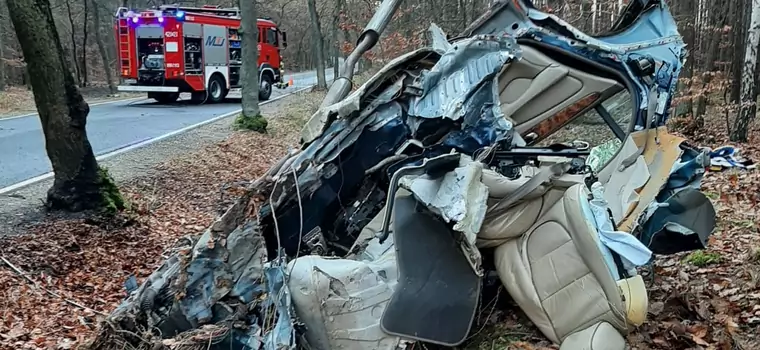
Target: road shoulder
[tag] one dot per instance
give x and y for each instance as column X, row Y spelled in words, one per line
column 22, row 207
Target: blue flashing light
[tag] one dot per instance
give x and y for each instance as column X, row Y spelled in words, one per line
column 160, row 20
column 135, row 19
column 180, row 15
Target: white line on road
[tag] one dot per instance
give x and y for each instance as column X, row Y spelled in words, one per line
column 89, row 104
column 101, row 157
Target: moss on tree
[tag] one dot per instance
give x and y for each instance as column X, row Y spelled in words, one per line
column 111, row 199
column 256, row 123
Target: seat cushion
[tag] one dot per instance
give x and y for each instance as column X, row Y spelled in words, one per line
column 556, row 272
column 600, row 336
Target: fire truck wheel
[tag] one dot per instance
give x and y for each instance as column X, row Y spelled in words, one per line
column 165, row 97
column 216, row 89
column 265, row 87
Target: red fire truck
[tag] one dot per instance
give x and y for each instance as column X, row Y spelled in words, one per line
column 168, row 50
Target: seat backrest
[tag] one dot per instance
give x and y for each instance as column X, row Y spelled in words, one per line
column 508, row 223
column 556, row 272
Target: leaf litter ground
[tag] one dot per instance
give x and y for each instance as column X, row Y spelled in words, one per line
column 703, row 300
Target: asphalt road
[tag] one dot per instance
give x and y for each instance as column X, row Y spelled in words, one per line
column 113, row 126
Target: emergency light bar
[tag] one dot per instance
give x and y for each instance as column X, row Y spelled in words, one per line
column 160, row 15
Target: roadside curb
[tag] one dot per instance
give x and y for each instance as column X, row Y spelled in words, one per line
column 131, row 147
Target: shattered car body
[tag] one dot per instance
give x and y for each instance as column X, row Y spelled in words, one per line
column 380, row 230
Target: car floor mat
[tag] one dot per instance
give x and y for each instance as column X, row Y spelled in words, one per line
column 437, row 293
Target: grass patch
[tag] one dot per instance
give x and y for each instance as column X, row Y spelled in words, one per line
column 711, row 195
column 745, row 224
column 113, row 201
column 256, row 123
column 702, row 258
column 755, row 255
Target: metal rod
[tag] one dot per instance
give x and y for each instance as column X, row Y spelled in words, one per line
column 369, row 37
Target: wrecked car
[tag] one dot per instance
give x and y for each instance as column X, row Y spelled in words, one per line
column 445, row 166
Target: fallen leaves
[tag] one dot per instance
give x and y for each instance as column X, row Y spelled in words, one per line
column 708, row 299
column 87, row 261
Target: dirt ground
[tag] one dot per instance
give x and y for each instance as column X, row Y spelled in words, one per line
column 74, row 269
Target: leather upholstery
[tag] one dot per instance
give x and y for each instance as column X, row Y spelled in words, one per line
column 600, row 336
column 556, row 273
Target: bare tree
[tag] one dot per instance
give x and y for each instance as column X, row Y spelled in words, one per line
column 748, row 105
column 318, row 45
column 251, row 117
column 79, row 184
column 74, row 51
column 85, row 73
column 102, row 48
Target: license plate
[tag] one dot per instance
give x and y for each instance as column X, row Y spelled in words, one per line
column 130, row 81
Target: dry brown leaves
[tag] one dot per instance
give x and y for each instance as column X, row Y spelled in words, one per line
column 87, row 261
column 715, row 305
column 691, row 307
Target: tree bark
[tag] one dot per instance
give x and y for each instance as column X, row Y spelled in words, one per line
column 318, row 45
column 249, row 32
column 748, row 106
column 85, row 74
column 685, row 108
column 719, row 18
column 740, row 39
column 336, row 41
column 78, row 182
column 102, row 48
column 74, row 53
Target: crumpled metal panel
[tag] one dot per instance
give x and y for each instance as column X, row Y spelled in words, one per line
column 440, row 43
column 316, row 125
column 283, row 335
column 459, row 197
column 460, row 70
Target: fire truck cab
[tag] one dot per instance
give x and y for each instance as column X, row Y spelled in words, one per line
column 168, row 50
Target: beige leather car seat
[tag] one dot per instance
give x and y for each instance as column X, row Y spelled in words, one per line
column 503, row 224
column 556, row 273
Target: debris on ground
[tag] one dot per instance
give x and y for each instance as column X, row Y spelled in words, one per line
column 416, row 213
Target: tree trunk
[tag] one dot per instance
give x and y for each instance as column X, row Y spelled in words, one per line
column 740, row 39
column 85, row 74
column 74, row 53
column 685, row 108
column 336, row 41
column 102, row 48
column 716, row 24
column 748, row 106
column 249, row 33
column 78, row 183
column 318, row 45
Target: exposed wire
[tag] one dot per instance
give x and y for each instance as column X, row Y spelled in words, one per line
column 300, row 213
column 274, row 217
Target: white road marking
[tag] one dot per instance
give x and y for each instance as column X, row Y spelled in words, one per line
column 101, row 157
column 89, row 104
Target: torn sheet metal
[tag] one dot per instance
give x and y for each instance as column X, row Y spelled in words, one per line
column 459, row 197
column 212, row 289
column 278, row 306
column 455, row 76
column 320, row 120
column 440, row 43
